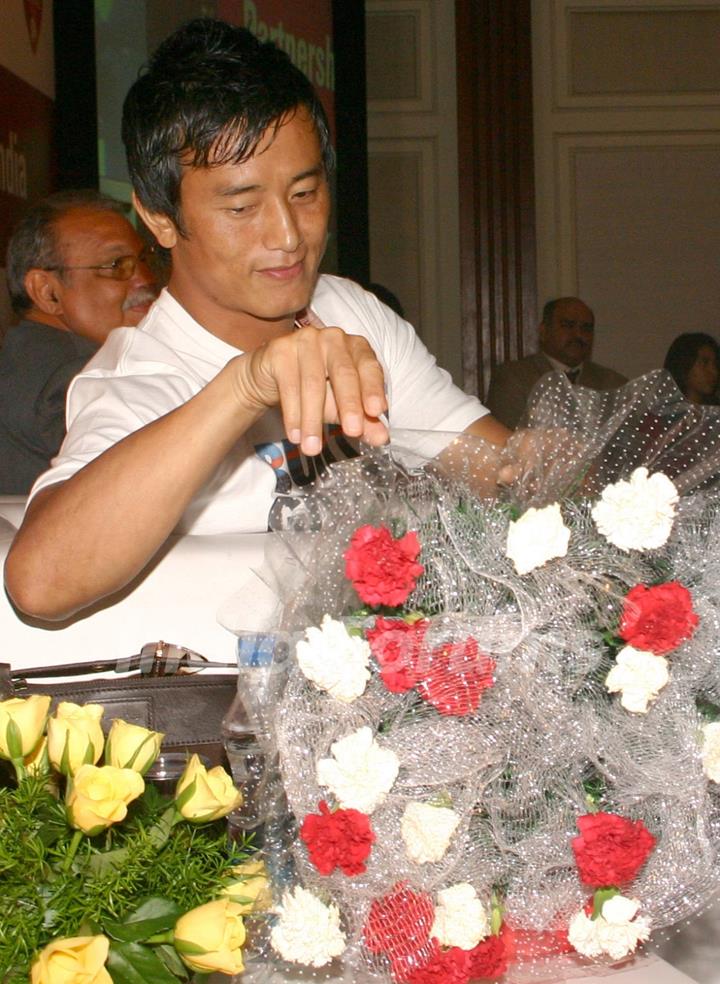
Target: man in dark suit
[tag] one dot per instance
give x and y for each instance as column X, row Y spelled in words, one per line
column 566, row 337
column 76, row 269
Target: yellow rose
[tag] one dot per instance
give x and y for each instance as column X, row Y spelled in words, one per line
column 129, row 746
column 203, row 795
column 251, row 890
column 97, row 796
column 210, row 938
column 73, row 960
column 75, row 736
column 22, row 722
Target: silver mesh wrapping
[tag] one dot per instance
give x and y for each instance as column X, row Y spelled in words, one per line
column 516, row 770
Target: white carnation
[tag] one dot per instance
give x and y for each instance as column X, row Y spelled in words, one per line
column 582, row 935
column 710, row 751
column 638, row 676
column 427, row 831
column 334, row 660
column 538, row 536
column 307, row 931
column 620, row 931
column 637, row 514
column 360, row 772
column 460, row 917
column 616, row 932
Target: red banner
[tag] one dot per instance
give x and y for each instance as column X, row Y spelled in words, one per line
column 26, row 152
column 303, row 30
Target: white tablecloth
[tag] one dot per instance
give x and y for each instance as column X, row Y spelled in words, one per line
column 186, row 596
column 648, row 969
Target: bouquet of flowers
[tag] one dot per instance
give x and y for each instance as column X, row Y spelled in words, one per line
column 499, row 739
column 102, row 878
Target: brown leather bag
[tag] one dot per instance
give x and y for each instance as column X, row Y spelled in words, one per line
column 168, row 694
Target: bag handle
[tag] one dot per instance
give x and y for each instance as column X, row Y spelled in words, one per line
column 155, row 659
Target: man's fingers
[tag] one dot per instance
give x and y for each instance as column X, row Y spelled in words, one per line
column 312, row 373
column 319, row 376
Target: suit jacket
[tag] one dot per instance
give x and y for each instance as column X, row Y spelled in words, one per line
column 512, row 382
column 37, row 363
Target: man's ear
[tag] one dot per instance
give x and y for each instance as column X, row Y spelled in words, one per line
column 44, row 289
column 161, row 226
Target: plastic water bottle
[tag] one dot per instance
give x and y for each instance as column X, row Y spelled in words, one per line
column 246, row 755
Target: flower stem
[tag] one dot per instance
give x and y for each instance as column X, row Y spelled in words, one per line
column 72, row 850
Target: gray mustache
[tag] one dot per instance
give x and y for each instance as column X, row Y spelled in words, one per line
column 136, row 298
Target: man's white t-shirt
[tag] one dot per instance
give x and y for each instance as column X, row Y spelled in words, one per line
column 142, row 373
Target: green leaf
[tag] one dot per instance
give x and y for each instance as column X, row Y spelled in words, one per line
column 152, row 916
column 13, row 739
column 169, row 956
column 101, row 863
column 133, row 963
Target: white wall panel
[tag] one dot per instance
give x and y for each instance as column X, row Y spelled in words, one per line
column 412, row 152
column 627, row 139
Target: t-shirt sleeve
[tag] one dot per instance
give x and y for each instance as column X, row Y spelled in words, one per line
column 421, row 395
column 103, row 409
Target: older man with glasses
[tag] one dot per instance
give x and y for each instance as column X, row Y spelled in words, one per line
column 76, row 269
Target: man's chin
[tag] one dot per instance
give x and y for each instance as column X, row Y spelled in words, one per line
column 132, row 316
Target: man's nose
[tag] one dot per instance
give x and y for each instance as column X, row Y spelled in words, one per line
column 281, row 228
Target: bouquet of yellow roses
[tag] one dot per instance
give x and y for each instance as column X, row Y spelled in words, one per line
column 102, row 878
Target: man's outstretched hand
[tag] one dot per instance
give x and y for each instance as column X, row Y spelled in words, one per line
column 316, row 376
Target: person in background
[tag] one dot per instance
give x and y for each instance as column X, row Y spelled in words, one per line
column 693, row 361
column 76, row 269
column 566, row 335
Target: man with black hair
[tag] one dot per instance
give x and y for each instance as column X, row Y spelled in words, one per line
column 75, row 270
column 566, row 334
column 197, row 419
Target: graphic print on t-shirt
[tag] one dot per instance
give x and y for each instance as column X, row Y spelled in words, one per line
column 295, row 470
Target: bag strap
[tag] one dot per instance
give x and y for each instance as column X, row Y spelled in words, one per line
column 154, row 659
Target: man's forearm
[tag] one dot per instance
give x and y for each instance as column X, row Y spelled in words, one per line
column 86, row 538
column 89, row 536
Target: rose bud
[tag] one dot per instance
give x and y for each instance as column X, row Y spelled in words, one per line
column 250, row 889
column 202, row 795
column 75, row 958
column 209, row 938
column 130, row 746
column 75, row 736
column 98, row 796
column 22, row 722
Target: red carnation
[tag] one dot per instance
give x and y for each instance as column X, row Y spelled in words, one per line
column 610, row 849
column 455, row 677
column 399, row 923
column 659, row 618
column 444, row 967
column 383, row 570
column 340, row 839
column 396, row 645
column 526, row 945
column 490, row 958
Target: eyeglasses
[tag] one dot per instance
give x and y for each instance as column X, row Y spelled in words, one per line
column 121, row 268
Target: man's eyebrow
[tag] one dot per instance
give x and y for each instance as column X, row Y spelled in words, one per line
column 229, row 191
column 312, row 172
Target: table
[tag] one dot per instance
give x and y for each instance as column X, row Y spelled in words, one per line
column 646, row 969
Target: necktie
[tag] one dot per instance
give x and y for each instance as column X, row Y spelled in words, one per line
column 572, row 374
